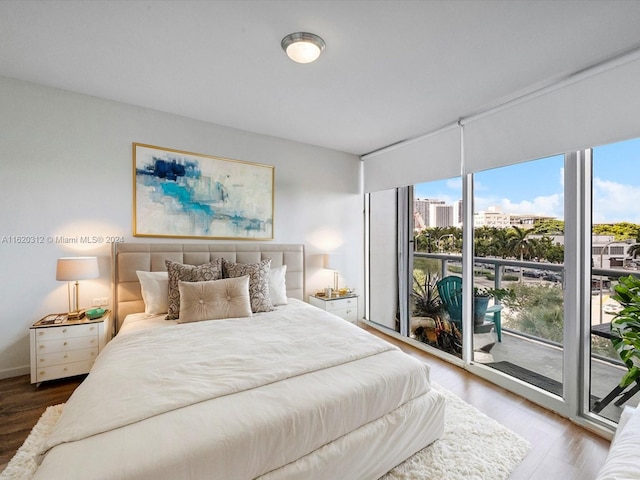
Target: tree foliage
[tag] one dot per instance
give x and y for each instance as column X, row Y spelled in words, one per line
column 620, row 231
column 513, row 242
column 548, row 227
column 536, row 310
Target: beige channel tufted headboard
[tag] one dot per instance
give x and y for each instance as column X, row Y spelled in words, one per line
column 127, row 258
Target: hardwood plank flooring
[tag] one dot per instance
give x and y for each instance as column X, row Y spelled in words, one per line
column 560, row 449
column 22, row 404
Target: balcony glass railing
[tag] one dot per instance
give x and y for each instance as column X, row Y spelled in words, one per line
column 533, row 320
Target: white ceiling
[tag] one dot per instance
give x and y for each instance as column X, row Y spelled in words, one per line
column 391, row 70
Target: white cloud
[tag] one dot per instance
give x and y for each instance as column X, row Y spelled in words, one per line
column 615, row 202
column 549, row 205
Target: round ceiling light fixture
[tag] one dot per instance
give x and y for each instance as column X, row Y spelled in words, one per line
column 302, row 47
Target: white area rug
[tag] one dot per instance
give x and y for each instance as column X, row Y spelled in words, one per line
column 473, row 447
column 23, row 465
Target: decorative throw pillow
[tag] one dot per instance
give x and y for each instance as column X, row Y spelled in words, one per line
column 155, row 291
column 277, row 285
column 258, row 282
column 188, row 273
column 227, row 298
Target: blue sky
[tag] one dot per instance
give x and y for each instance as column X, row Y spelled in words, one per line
column 536, row 187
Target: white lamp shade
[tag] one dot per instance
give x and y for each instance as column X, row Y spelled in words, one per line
column 77, row 268
column 331, row 261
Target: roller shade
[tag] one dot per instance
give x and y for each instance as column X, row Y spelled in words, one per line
column 431, row 157
column 596, row 109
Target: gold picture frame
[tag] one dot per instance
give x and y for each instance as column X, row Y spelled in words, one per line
column 181, row 194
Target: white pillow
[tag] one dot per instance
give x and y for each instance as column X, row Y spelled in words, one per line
column 155, row 291
column 622, row 461
column 214, row 299
column 277, row 285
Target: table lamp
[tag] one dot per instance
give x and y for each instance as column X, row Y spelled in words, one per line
column 330, row 264
column 72, row 269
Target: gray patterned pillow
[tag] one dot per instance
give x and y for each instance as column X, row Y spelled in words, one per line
column 188, row 273
column 258, row 282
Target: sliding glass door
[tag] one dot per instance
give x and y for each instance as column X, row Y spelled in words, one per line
column 437, row 262
column 615, row 252
column 518, row 271
column 551, row 237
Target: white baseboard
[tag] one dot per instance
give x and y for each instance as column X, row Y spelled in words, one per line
column 15, row 372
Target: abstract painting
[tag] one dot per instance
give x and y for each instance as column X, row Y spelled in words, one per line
column 191, row 195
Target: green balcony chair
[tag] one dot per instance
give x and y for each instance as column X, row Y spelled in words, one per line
column 450, row 291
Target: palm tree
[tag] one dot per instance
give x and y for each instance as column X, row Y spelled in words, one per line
column 634, row 250
column 519, row 244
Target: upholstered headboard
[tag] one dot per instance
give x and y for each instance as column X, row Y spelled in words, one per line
column 129, row 257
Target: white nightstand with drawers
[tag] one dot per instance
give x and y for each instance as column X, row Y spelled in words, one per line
column 345, row 306
column 68, row 348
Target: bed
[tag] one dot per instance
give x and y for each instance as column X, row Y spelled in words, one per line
column 291, row 392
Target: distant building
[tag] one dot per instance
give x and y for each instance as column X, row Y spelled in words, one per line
column 422, row 207
column 492, row 217
column 528, row 221
column 606, row 252
column 459, row 213
column 418, row 222
column 440, row 215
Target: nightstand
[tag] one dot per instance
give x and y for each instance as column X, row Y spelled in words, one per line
column 345, row 306
column 68, row 348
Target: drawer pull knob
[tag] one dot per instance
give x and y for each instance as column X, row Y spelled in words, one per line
column 66, row 356
column 65, row 369
column 65, row 344
column 42, row 372
column 64, row 330
column 41, row 347
column 40, row 333
column 42, row 359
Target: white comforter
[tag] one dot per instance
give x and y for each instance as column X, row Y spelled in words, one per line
column 227, row 399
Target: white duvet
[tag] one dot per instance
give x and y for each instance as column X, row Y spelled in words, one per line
column 228, row 399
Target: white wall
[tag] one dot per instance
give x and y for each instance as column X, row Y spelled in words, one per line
column 66, row 170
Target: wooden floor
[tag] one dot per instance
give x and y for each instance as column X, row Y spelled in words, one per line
column 560, row 449
column 22, row 404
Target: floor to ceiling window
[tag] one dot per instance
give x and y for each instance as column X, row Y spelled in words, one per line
column 550, row 258
column 518, row 271
column 437, row 254
column 615, row 252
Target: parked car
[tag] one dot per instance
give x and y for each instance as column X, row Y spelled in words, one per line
column 552, row 277
column 532, row 273
column 612, row 307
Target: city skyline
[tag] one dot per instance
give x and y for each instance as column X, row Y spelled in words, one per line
column 536, row 187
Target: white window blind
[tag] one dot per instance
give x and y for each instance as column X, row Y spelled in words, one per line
column 431, row 157
column 594, row 108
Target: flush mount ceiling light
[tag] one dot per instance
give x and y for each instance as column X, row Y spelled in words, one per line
column 302, row 47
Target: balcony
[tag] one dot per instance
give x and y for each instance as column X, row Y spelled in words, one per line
column 531, row 348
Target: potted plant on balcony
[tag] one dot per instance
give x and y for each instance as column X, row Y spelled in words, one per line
column 481, row 296
column 427, row 321
column 625, row 327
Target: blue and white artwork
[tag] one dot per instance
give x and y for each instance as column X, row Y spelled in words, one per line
column 183, row 194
